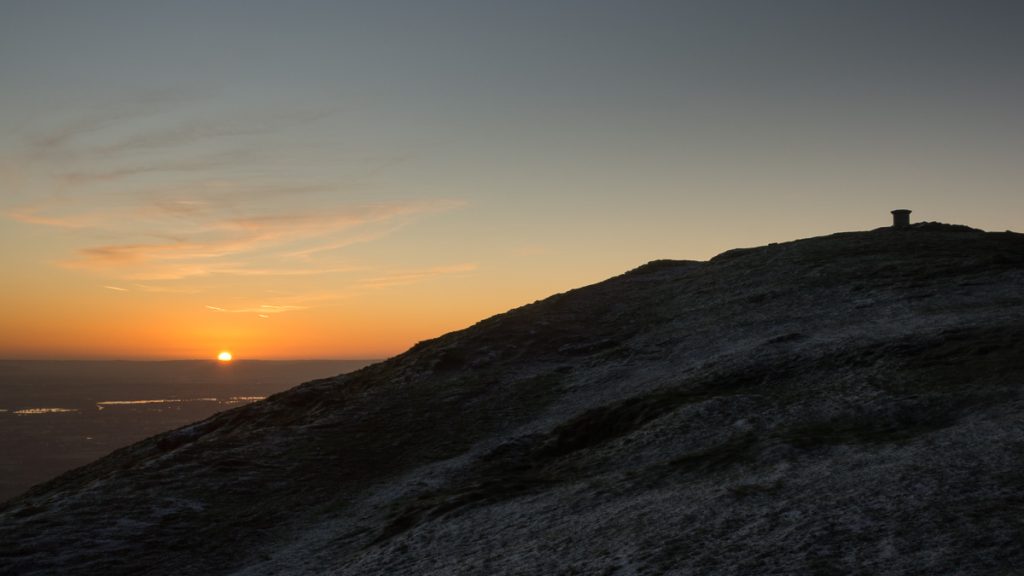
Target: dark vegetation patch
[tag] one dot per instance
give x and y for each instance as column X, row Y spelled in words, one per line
column 751, row 490
column 987, row 360
column 600, row 425
column 901, row 425
column 717, row 458
column 930, row 381
column 536, row 463
column 948, row 362
column 790, row 337
column 588, row 348
column 763, row 296
column 532, row 464
column 449, row 360
column 969, row 346
column 177, row 438
column 30, row 510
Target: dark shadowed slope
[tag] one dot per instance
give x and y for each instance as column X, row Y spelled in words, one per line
column 844, row 404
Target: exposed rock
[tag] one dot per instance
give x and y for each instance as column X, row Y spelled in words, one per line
column 844, row 404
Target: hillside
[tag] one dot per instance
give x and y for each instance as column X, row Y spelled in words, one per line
column 836, row 405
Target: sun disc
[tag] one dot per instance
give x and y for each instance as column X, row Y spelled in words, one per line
column 224, row 356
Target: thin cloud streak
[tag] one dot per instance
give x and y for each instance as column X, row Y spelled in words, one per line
column 353, row 216
column 196, row 131
column 29, row 216
column 200, row 203
column 307, row 253
column 251, row 238
column 60, row 139
column 286, row 271
column 165, row 289
column 263, row 310
column 414, row 276
column 208, row 162
column 296, row 302
column 115, row 255
column 171, row 272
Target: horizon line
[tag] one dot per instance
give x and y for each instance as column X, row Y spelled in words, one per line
column 193, row 360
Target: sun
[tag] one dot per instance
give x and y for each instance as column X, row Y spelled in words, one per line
column 224, row 356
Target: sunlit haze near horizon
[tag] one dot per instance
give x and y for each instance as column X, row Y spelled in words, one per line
column 344, row 179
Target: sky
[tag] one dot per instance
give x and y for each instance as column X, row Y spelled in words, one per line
column 314, row 179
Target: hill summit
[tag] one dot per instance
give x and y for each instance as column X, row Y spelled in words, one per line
column 844, row 404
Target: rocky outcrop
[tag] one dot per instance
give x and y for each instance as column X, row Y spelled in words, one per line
column 844, row 404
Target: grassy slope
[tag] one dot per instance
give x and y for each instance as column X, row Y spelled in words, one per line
column 838, row 404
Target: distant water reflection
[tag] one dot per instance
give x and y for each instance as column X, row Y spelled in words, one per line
column 156, row 402
column 28, row 411
column 106, row 403
column 228, row 400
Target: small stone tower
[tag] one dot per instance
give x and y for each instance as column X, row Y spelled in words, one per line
column 900, row 218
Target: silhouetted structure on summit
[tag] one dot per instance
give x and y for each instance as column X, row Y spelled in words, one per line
column 900, row 218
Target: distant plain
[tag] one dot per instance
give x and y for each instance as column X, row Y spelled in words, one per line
column 58, row 415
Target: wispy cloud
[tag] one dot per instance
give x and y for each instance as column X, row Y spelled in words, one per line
column 414, row 276
column 32, row 216
column 252, row 245
column 349, row 217
column 202, row 164
column 307, row 252
column 262, row 310
column 282, row 303
column 118, row 255
column 165, row 289
column 196, row 131
column 155, row 196
column 277, row 304
column 239, row 271
column 109, row 114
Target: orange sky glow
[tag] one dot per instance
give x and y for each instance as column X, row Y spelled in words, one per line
column 342, row 180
